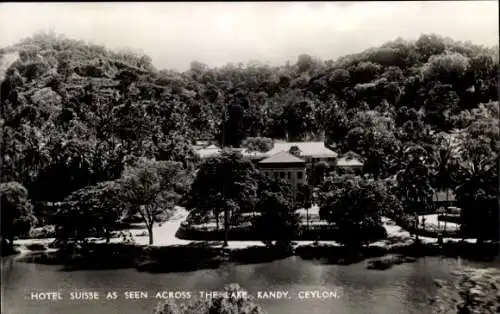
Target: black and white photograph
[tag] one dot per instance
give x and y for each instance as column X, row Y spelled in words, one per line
column 250, row 157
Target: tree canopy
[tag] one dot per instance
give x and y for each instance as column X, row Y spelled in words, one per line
column 236, row 302
column 151, row 189
column 16, row 210
column 355, row 206
column 93, row 211
column 74, row 114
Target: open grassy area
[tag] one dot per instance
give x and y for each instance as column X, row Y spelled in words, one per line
column 431, row 221
column 165, row 233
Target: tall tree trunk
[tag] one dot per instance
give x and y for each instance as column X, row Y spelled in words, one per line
column 150, row 233
column 226, row 226
column 435, row 209
column 216, row 214
column 446, row 211
column 417, row 224
column 307, row 218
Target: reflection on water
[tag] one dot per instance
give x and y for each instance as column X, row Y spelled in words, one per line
column 402, row 289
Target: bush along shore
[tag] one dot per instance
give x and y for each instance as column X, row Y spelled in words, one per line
column 152, row 259
column 203, row 255
column 473, row 291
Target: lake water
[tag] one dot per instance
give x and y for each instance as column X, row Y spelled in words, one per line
column 402, row 289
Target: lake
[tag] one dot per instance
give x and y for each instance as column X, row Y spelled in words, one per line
column 402, row 289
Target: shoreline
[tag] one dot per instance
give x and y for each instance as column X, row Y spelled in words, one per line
column 199, row 253
column 195, row 256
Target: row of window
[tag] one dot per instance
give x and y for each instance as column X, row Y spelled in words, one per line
column 283, row 175
column 329, row 159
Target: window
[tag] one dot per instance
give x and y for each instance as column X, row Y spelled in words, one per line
column 289, row 174
column 282, row 175
column 299, row 175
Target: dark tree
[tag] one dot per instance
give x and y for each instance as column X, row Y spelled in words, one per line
column 227, row 184
column 277, row 221
column 236, row 302
column 17, row 213
column 150, row 189
column 355, row 207
column 94, row 211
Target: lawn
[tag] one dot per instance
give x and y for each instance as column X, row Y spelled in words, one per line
column 164, row 234
column 431, row 221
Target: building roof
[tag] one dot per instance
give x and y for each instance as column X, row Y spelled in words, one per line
column 348, row 162
column 282, row 157
column 310, row 149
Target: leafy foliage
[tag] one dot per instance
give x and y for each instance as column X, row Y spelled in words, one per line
column 477, row 188
column 258, row 144
column 237, row 302
column 94, row 211
column 227, row 183
column 414, row 180
column 74, row 114
column 16, row 210
column 278, row 220
column 151, row 189
column 355, row 206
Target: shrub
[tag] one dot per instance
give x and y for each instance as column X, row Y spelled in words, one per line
column 36, row 247
column 237, row 302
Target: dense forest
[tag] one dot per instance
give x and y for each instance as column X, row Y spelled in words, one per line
column 75, row 114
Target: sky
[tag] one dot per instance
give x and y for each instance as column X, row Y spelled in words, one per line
column 216, row 33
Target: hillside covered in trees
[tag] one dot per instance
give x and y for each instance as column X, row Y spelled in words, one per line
column 75, row 114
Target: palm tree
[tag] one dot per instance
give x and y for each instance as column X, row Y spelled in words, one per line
column 445, row 166
column 414, row 182
column 477, row 191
